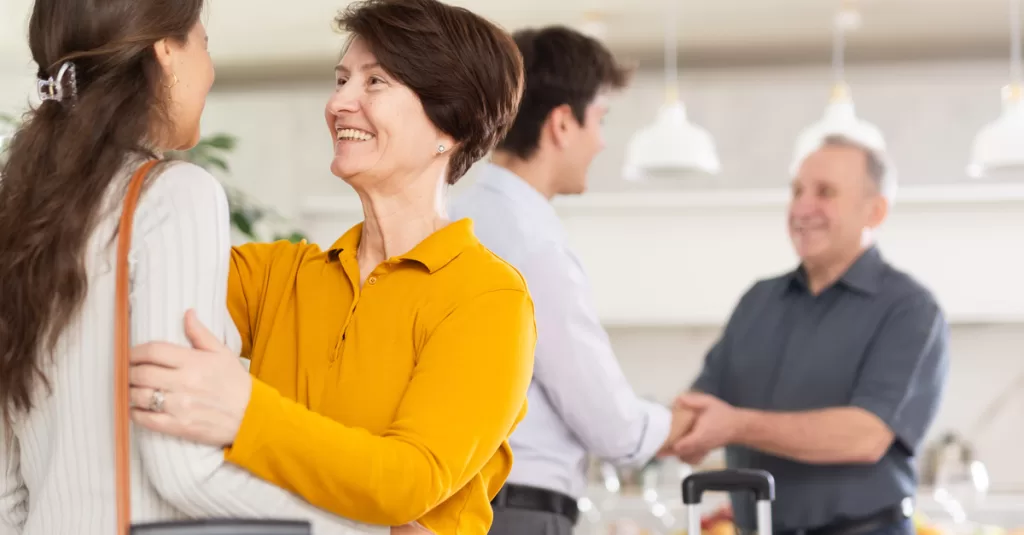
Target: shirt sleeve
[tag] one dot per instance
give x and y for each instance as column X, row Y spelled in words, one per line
column 905, row 370
column 466, row 393
column 709, row 381
column 180, row 261
column 247, row 278
column 13, row 494
column 577, row 368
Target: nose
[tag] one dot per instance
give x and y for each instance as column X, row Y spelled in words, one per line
column 802, row 205
column 345, row 99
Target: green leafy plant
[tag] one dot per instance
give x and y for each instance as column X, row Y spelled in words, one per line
column 248, row 217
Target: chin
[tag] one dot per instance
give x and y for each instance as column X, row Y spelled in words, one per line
column 189, row 142
column 345, row 170
column 807, row 251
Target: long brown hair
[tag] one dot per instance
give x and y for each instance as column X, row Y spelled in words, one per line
column 63, row 159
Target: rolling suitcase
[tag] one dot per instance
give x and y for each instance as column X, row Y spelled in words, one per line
column 758, row 482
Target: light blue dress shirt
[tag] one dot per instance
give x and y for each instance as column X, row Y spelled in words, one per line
column 580, row 403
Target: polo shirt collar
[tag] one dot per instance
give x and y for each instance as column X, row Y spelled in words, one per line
column 864, row 275
column 434, row 252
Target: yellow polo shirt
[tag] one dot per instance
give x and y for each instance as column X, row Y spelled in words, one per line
column 392, row 402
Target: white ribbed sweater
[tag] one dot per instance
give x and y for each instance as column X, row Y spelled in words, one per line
column 57, row 476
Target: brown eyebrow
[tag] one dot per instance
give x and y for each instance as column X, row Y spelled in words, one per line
column 341, row 69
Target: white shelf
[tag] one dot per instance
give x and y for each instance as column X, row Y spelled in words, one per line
column 944, row 194
column 746, row 198
column 684, row 258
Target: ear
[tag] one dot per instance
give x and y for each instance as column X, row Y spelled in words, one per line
column 164, row 52
column 560, row 124
column 879, row 211
column 445, row 144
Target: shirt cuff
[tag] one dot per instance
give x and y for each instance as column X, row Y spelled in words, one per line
column 249, row 440
column 656, row 430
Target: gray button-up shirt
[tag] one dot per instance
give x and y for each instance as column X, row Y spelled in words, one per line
column 580, row 402
column 876, row 339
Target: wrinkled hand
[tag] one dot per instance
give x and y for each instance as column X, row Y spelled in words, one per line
column 205, row 388
column 717, row 425
column 682, row 421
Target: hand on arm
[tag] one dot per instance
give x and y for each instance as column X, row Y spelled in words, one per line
column 181, row 247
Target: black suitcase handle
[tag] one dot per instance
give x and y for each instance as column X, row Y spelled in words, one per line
column 760, row 482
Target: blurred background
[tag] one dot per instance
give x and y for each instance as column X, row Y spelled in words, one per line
column 669, row 256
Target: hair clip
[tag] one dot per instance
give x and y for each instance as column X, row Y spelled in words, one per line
column 53, row 88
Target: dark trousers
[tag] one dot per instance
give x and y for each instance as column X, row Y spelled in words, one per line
column 524, row 522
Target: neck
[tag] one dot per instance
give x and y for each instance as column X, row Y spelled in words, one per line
column 397, row 219
column 535, row 172
column 821, row 275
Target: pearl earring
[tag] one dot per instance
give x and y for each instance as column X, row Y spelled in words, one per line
column 440, row 149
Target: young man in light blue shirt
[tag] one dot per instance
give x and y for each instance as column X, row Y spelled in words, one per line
column 580, row 403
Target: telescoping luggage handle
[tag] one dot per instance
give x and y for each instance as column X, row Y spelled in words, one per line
column 759, row 482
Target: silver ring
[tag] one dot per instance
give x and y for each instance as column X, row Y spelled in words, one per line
column 156, row 403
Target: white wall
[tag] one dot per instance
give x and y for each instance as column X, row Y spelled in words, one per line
column 929, row 113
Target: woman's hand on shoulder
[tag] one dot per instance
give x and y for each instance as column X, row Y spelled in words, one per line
column 198, row 393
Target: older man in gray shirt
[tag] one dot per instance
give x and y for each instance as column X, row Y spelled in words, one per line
column 829, row 376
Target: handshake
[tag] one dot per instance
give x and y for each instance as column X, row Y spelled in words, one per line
column 701, row 423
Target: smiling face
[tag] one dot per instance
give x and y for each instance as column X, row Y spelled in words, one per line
column 377, row 124
column 834, row 199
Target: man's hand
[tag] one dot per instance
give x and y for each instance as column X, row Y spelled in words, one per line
column 717, row 425
column 682, row 421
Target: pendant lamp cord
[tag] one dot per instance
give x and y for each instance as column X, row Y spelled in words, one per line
column 1015, row 43
column 839, row 47
column 671, row 50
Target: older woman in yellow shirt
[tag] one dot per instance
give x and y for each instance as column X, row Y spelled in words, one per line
column 388, row 371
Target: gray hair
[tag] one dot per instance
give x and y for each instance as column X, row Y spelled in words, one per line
column 879, row 168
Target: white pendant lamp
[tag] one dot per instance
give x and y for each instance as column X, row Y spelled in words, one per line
column 671, row 146
column 840, row 117
column 999, row 146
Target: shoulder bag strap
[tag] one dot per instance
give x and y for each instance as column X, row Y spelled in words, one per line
column 122, row 416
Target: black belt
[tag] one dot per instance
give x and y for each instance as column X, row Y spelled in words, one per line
column 856, row 526
column 537, row 499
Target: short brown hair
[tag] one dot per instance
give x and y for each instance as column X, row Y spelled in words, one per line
column 466, row 70
column 563, row 66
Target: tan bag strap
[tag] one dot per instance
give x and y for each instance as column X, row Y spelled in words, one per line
column 122, row 341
